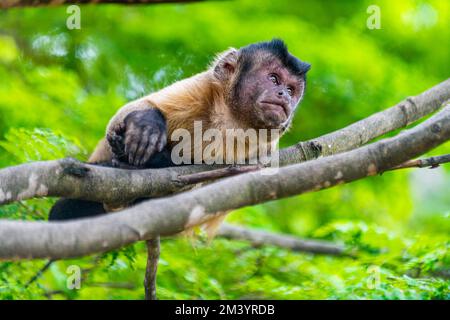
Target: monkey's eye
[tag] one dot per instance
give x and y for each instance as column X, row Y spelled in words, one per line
column 273, row 78
column 290, row 91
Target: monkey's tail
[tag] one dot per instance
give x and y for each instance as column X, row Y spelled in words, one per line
column 212, row 226
column 39, row 273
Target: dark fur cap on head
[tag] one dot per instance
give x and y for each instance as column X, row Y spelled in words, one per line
column 277, row 48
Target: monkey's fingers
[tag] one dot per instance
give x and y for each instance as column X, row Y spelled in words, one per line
column 131, row 145
column 116, row 163
column 162, row 141
column 142, row 147
column 151, row 148
column 157, row 142
column 116, row 143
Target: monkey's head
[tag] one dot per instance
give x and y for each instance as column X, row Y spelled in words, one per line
column 263, row 83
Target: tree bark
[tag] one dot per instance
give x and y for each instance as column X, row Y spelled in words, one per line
column 153, row 251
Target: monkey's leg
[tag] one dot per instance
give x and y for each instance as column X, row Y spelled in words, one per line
column 66, row 209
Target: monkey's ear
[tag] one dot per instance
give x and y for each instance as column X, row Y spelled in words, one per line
column 225, row 64
column 306, row 66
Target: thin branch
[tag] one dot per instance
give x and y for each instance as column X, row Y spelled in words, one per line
column 216, row 174
column 153, row 251
column 432, row 162
column 171, row 215
column 72, row 179
column 259, row 238
column 39, row 273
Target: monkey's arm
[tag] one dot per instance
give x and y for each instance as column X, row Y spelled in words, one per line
column 103, row 151
column 117, row 120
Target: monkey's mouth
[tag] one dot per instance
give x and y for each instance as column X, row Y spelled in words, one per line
column 276, row 106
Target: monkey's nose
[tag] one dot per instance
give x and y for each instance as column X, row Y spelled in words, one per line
column 280, row 93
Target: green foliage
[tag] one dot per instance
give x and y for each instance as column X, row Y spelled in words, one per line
column 59, row 88
column 39, row 144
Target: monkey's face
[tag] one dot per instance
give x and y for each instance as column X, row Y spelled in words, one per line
column 263, row 83
column 267, row 94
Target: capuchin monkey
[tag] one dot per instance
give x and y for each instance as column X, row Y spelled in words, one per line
column 257, row 86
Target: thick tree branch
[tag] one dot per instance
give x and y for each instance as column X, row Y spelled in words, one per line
column 72, row 179
column 34, row 3
column 171, row 215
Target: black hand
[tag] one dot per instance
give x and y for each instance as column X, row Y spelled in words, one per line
column 145, row 133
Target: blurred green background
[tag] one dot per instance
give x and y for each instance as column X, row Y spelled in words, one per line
column 59, row 87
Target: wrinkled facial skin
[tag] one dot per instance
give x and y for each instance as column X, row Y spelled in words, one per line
column 266, row 96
